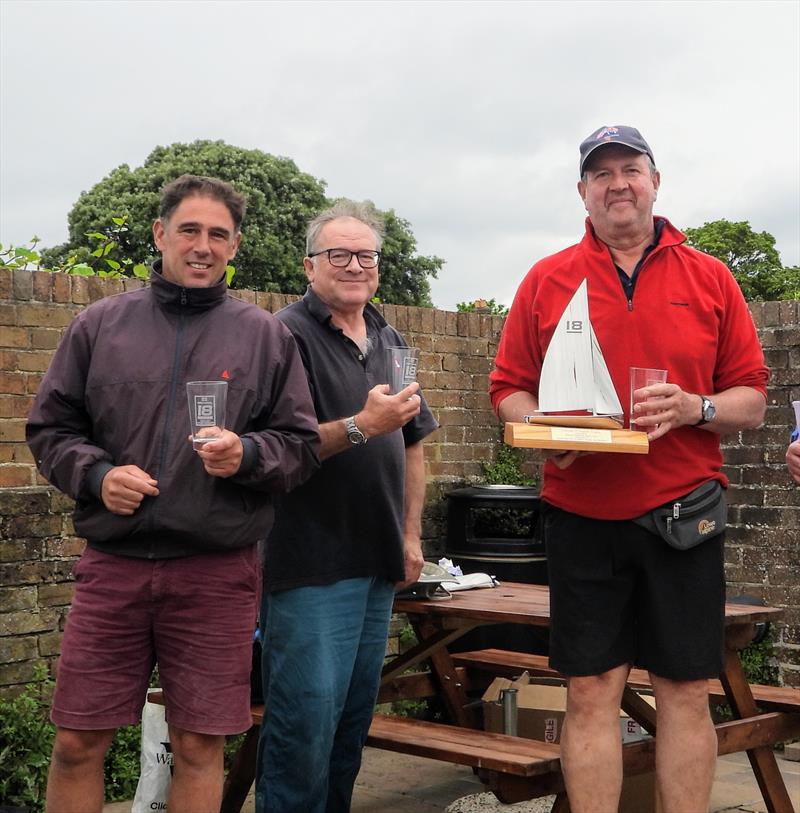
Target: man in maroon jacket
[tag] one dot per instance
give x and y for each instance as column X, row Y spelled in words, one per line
column 171, row 571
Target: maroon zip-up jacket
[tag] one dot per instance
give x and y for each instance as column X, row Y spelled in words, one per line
column 115, row 394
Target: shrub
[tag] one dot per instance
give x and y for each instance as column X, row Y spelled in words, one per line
column 506, row 468
column 26, row 740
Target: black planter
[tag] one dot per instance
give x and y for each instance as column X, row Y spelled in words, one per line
column 494, row 529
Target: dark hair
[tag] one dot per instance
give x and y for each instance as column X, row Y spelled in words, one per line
column 187, row 185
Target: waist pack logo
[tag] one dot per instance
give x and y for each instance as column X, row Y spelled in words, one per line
column 706, row 527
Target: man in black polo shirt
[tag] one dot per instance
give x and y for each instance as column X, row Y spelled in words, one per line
column 349, row 536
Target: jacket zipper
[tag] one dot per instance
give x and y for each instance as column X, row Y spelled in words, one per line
column 173, row 385
column 634, row 278
column 629, row 290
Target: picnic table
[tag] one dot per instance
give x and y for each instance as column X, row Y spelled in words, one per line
column 515, row 768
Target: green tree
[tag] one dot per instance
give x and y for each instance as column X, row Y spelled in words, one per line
column 785, row 284
column 490, row 306
column 751, row 256
column 404, row 274
column 280, row 201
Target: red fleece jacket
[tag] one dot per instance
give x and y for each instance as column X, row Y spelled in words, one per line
column 687, row 316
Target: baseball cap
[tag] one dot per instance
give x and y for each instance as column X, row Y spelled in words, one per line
column 618, row 134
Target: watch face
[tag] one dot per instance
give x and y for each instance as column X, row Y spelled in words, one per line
column 709, row 410
column 354, row 434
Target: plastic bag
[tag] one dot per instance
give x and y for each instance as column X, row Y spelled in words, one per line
column 156, row 762
column 469, row 581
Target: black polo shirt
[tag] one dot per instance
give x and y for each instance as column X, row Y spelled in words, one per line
column 347, row 520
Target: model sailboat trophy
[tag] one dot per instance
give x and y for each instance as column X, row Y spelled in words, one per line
column 574, row 379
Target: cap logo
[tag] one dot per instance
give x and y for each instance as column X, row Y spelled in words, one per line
column 607, row 132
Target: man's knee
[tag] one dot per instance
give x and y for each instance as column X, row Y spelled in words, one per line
column 592, row 689
column 194, row 751
column 683, row 698
column 75, row 749
column 597, row 694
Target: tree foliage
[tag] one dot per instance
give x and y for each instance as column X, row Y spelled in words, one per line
column 404, row 274
column 280, row 201
column 491, row 306
column 751, row 257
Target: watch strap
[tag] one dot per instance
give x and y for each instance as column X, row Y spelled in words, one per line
column 706, row 407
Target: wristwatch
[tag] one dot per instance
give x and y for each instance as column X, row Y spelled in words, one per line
column 354, row 434
column 707, row 411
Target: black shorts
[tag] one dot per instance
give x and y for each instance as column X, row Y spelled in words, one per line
column 619, row 594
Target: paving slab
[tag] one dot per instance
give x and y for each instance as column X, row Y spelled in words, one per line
column 398, row 783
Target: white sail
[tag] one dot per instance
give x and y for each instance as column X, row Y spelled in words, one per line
column 606, row 401
column 566, row 381
column 574, row 373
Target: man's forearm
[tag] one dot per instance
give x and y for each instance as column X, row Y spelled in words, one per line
column 414, row 490
column 737, row 408
column 412, row 513
column 333, row 438
column 517, row 405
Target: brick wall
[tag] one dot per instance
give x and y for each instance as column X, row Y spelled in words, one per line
column 763, row 544
column 37, row 542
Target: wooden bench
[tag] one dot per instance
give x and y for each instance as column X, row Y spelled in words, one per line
column 464, row 746
column 504, row 663
column 510, row 766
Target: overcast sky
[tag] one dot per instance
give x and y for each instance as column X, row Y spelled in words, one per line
column 463, row 117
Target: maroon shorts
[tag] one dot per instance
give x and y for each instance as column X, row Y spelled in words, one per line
column 194, row 616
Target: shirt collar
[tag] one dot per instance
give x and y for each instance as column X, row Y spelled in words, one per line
column 320, row 311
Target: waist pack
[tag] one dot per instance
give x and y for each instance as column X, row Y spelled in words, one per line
column 689, row 520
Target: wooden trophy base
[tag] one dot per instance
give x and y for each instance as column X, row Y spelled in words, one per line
column 575, row 434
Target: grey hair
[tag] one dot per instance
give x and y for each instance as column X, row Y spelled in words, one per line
column 364, row 212
column 650, row 163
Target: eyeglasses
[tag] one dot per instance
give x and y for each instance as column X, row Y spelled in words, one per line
column 340, row 257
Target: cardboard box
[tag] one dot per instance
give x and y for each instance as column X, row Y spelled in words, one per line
column 541, row 708
column 540, row 711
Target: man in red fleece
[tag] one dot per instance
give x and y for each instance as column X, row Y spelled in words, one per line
column 620, row 595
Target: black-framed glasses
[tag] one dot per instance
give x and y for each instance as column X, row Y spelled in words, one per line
column 340, row 257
